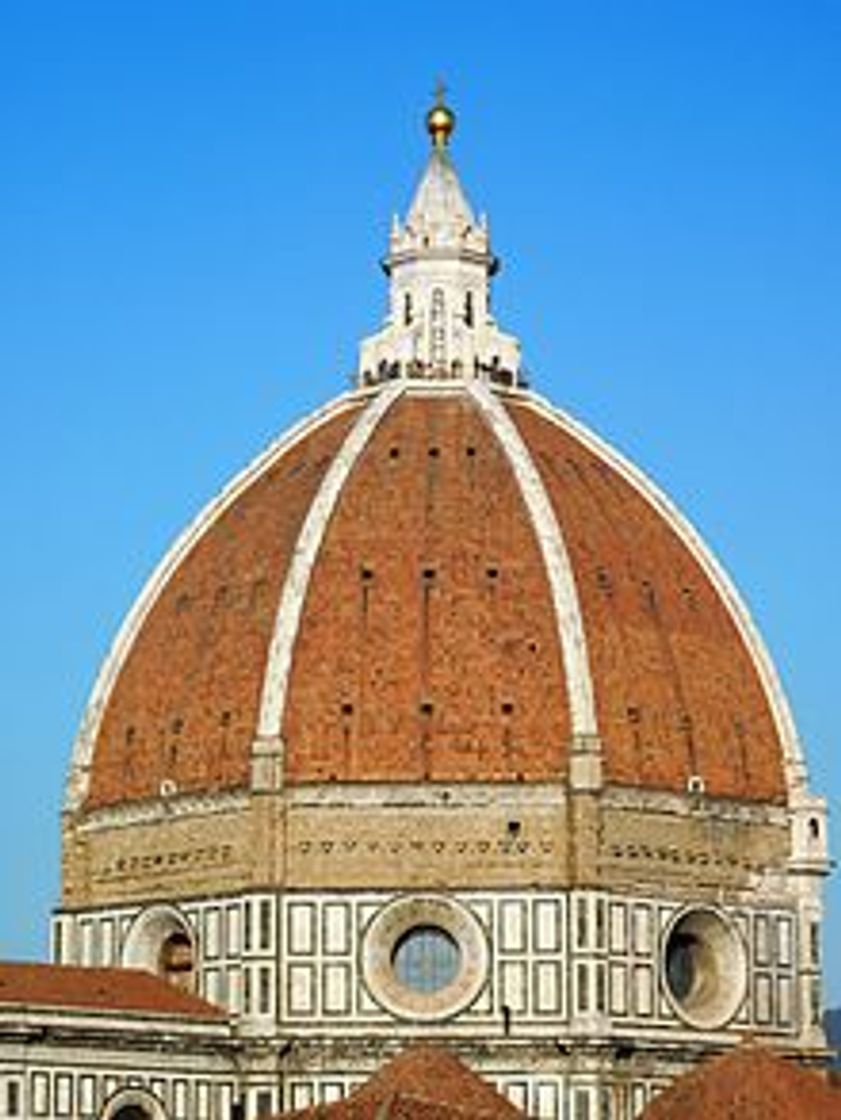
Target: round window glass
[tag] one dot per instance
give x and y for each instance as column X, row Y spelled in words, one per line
column 682, row 964
column 705, row 968
column 426, row 959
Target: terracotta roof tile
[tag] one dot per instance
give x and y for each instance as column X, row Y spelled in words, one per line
column 98, row 989
column 421, row 1083
column 428, row 647
column 750, row 1083
column 184, row 708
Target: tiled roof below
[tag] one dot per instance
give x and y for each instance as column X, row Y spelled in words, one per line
column 123, row 990
column 750, row 1083
column 422, row 1083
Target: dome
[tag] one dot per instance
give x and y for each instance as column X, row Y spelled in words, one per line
column 437, row 578
column 446, row 583
column 440, row 722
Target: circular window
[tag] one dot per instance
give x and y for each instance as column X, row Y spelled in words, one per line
column 704, row 967
column 160, row 941
column 424, row 957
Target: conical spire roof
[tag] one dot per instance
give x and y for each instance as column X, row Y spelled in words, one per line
column 440, row 205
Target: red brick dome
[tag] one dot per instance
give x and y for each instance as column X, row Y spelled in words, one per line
column 436, row 582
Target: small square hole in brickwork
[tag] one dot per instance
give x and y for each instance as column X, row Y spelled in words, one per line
column 426, row 707
column 225, row 719
column 394, row 453
column 347, row 708
column 514, row 827
column 177, row 725
column 633, row 713
column 130, row 735
column 429, row 574
column 507, row 707
column 434, row 452
column 366, row 574
column 532, row 647
column 603, row 580
column 471, row 452
column 492, row 572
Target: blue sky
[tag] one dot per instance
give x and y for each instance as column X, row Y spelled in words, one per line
column 193, row 201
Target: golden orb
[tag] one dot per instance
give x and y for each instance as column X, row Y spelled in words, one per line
column 440, row 122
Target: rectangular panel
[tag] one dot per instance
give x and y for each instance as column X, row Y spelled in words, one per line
column 265, row 923
column 264, row 990
column 58, row 947
column 513, row 985
column 212, row 939
column 179, row 1099
column 336, row 994
column 547, row 926
column 336, row 919
column 582, row 987
column 226, row 1100
column 601, row 986
column 212, row 986
column 87, row 1095
column 332, row 1091
column 512, row 927
column 642, row 990
column 302, row 1095
column 301, row 989
column 233, row 939
column 618, row 989
column 761, row 940
column 547, row 988
column 642, row 930
column 108, row 942
column 638, row 1100
column 784, row 939
column 203, row 1100
column 86, row 942
column 582, row 923
column 618, row 927
column 301, row 928
column 247, row 925
column 263, row 1103
column 40, row 1088
column 601, row 923
column 581, row 1105
column 763, row 1007
column 546, row 1100
column 63, row 1094
column 246, row 989
column 234, row 985
column 784, row 1002
column 158, row 1087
